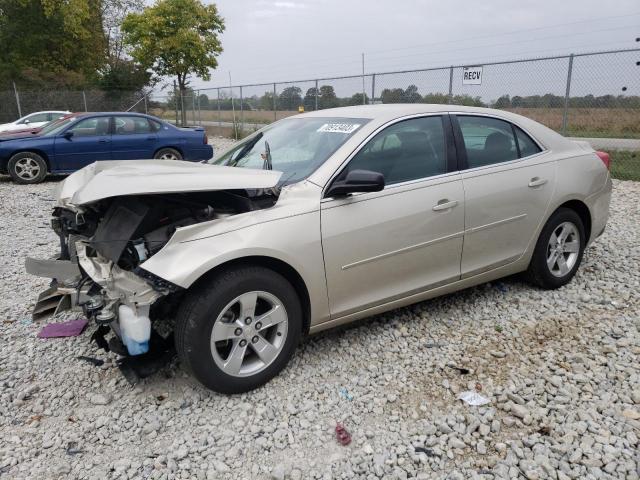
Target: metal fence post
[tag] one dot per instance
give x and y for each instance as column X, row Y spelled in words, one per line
column 193, row 106
column 373, row 89
column 566, row 96
column 316, row 94
column 450, row 84
column 146, row 108
column 219, row 113
column 84, row 99
column 241, row 110
column 275, row 105
column 199, row 110
column 15, row 90
column 175, row 100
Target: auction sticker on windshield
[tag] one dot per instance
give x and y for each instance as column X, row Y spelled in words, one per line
column 339, row 127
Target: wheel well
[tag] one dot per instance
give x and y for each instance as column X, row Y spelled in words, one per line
column 284, row 269
column 583, row 212
column 32, row 150
column 179, row 150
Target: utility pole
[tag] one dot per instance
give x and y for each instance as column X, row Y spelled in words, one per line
column 175, row 100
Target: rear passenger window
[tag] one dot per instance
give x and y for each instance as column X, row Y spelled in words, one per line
column 407, row 150
column 527, row 146
column 132, row 125
column 487, row 140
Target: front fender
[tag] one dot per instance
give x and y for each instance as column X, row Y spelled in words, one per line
column 294, row 240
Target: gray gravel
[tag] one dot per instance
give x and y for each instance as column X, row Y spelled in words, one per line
column 560, row 369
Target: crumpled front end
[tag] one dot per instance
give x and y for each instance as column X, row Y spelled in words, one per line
column 103, row 248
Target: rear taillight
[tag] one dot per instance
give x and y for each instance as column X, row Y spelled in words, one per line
column 206, row 139
column 606, row 159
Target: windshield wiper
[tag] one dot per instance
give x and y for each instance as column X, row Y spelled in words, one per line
column 246, row 148
column 267, row 157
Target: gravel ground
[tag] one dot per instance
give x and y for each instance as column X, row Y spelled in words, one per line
column 560, row 370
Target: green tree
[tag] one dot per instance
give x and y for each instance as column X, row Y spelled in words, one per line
column 290, row 98
column 203, row 101
column 394, row 95
column 327, row 97
column 310, row 99
column 503, row 102
column 52, row 42
column 356, row 99
column 411, row 95
column 266, row 101
column 175, row 38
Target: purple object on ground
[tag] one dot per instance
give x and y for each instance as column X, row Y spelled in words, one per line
column 71, row 328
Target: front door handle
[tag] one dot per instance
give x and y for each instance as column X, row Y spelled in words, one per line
column 103, row 140
column 537, row 182
column 444, row 205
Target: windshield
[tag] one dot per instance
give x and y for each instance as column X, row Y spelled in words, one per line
column 55, row 126
column 294, row 146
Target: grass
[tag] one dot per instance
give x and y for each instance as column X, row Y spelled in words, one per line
column 625, row 165
column 588, row 122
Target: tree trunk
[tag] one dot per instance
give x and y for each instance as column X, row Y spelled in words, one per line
column 182, row 85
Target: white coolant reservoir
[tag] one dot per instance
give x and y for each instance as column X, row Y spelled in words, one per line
column 135, row 329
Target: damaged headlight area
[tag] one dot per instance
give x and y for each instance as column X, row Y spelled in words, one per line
column 103, row 247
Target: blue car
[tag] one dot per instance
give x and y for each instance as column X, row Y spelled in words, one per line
column 77, row 140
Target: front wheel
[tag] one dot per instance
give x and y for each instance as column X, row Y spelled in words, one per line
column 27, row 168
column 239, row 329
column 168, row 154
column 559, row 250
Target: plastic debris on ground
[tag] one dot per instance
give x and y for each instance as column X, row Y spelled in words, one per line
column 71, row 328
column 344, row 393
column 342, row 435
column 473, row 398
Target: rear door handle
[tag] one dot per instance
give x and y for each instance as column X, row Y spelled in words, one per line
column 151, row 138
column 103, row 140
column 537, row 182
column 444, row 205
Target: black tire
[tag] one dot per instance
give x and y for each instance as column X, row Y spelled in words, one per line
column 168, row 152
column 27, row 168
column 200, row 310
column 539, row 273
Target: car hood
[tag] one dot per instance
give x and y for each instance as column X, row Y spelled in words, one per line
column 130, row 177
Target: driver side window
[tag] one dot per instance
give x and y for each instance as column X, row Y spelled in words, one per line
column 407, row 150
column 91, row 126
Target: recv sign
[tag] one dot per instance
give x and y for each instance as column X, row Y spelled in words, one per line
column 472, row 75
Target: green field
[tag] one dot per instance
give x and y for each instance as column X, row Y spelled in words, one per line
column 625, row 165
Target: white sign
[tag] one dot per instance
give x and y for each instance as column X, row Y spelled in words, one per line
column 339, row 127
column 472, row 76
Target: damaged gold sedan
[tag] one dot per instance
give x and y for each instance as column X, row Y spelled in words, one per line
column 332, row 216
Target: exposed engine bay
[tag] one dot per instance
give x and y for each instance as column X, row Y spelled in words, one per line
column 103, row 247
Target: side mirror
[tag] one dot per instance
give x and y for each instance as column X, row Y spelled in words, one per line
column 68, row 134
column 27, row 121
column 357, row 181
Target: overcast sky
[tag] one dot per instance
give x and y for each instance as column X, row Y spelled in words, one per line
column 273, row 40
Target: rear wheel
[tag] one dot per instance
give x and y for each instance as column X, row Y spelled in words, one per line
column 27, row 168
column 238, row 330
column 168, row 154
column 559, row 250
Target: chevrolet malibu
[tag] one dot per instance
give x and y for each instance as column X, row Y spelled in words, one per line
column 315, row 221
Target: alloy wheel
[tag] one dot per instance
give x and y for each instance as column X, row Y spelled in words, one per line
column 249, row 334
column 27, row 168
column 563, row 249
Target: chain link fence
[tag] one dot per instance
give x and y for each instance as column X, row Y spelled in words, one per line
column 594, row 96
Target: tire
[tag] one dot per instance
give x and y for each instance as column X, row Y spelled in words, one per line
column 224, row 301
column 546, row 269
column 168, row 154
column 27, row 168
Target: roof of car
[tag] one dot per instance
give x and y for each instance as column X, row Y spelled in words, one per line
column 393, row 110
column 84, row 114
